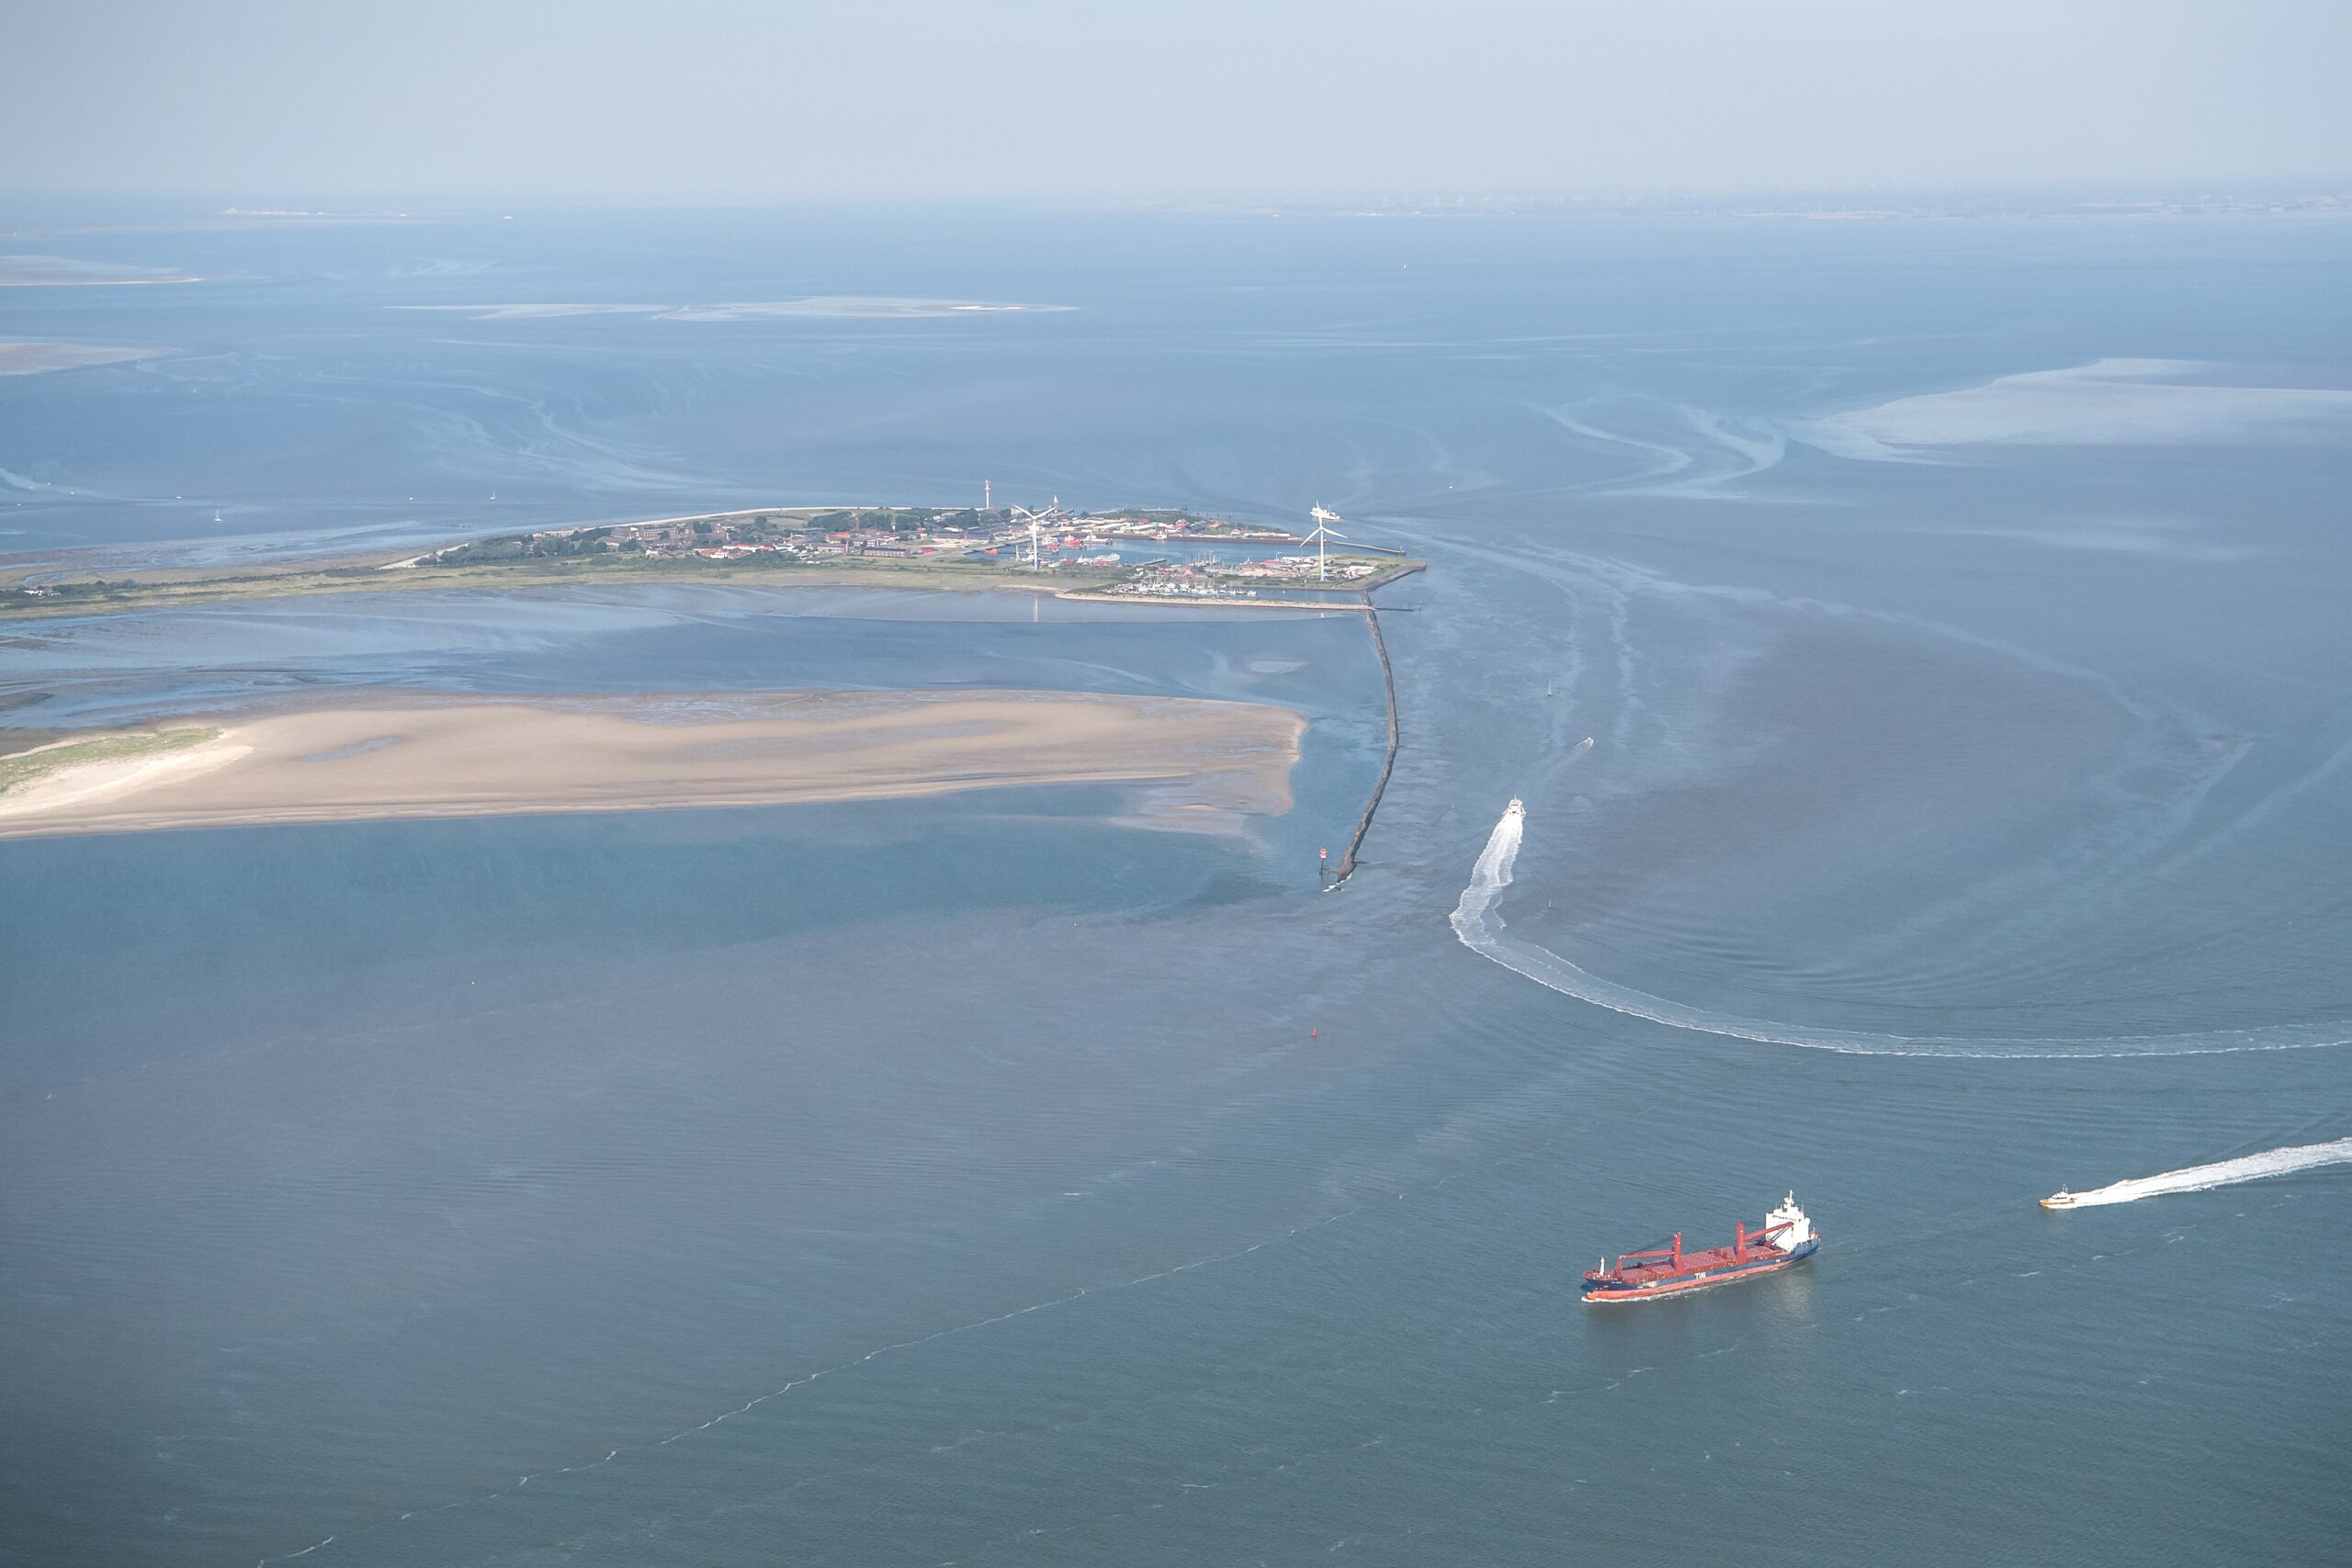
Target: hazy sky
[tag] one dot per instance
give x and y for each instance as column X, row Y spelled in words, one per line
column 686, row 100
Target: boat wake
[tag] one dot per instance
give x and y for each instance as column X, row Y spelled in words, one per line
column 1481, row 930
column 2221, row 1173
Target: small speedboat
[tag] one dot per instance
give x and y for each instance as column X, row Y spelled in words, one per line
column 2062, row 1198
column 1515, row 809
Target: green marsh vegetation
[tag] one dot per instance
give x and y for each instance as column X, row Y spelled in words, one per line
column 22, row 767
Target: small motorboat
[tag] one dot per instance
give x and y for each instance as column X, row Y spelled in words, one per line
column 1515, row 809
column 2062, row 1198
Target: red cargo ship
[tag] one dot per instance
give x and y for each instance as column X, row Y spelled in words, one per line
column 1787, row 1237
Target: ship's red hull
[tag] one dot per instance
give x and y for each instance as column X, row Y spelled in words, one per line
column 1727, row 1273
column 1687, row 1271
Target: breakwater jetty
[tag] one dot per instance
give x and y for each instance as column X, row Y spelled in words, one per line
column 1347, row 866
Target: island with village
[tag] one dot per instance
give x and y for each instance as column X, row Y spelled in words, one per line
column 1131, row 555
column 1134, row 553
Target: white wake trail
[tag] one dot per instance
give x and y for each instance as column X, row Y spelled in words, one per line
column 2221, row 1173
column 1481, row 930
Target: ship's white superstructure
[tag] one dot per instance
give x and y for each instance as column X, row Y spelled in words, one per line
column 1798, row 1230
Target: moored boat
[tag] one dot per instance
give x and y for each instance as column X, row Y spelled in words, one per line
column 1786, row 1238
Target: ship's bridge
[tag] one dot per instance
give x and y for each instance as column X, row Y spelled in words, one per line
column 1799, row 1231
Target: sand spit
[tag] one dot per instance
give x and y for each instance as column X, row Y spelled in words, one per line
column 399, row 755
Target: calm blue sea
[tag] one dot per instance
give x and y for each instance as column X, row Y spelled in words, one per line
column 1958, row 611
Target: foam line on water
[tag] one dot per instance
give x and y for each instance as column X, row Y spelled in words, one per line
column 2221, row 1173
column 1481, row 930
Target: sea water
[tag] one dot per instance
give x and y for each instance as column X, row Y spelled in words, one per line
column 996, row 1179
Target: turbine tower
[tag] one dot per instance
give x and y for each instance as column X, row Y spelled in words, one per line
column 1037, row 520
column 1323, row 531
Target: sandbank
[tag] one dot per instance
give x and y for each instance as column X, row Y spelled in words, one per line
column 837, row 306
column 33, row 358
column 2111, row 403
column 383, row 755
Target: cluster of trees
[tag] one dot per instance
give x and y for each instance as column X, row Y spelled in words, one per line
column 93, row 588
column 770, row 526
column 521, row 547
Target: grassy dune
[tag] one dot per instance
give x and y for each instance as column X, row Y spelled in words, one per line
column 24, row 767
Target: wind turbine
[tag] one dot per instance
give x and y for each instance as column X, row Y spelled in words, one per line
column 1037, row 520
column 1323, row 530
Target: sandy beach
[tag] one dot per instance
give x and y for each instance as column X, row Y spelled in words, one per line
column 400, row 755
